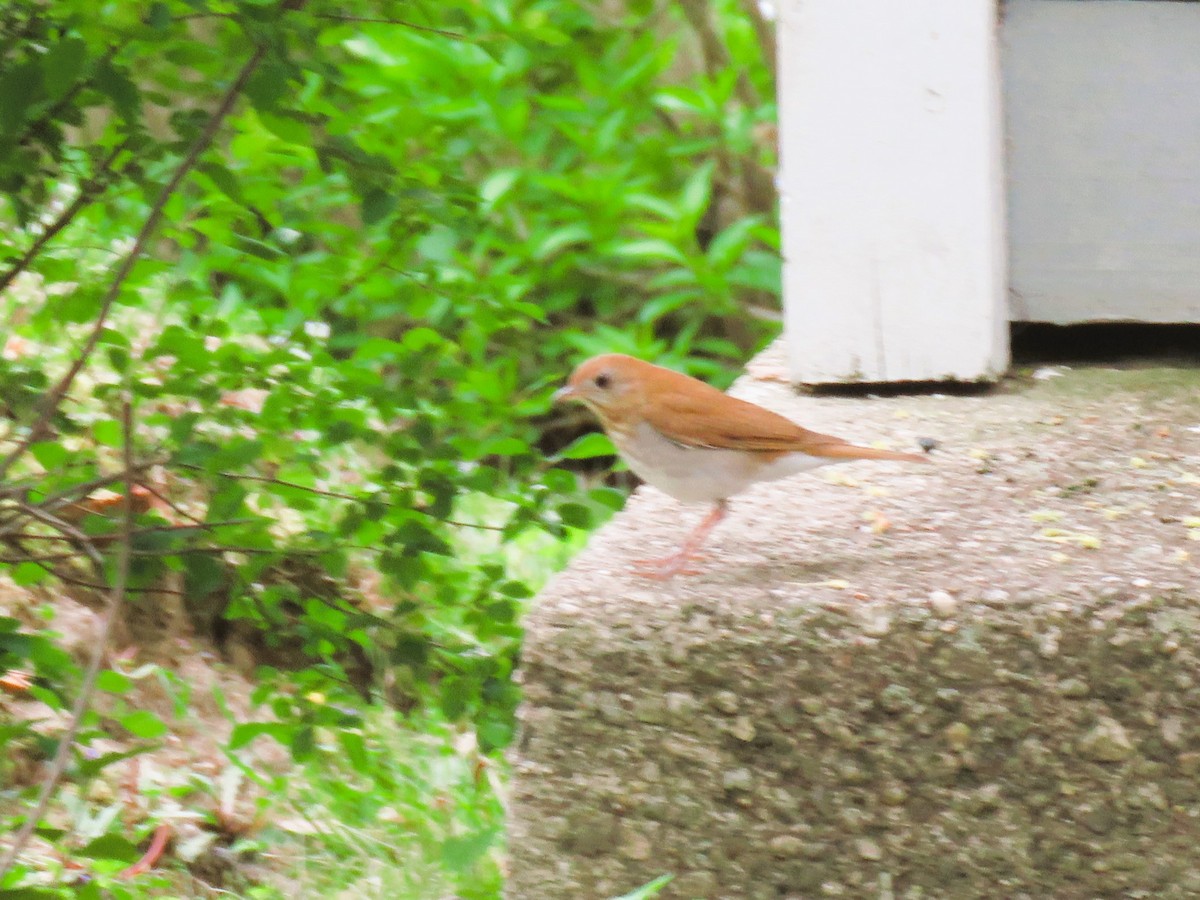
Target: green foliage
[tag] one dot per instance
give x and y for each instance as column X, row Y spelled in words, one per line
column 651, row 889
column 340, row 339
column 402, row 815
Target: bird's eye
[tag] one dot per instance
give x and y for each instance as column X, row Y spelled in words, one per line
column 603, row 381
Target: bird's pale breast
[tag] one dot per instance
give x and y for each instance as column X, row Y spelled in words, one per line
column 702, row 474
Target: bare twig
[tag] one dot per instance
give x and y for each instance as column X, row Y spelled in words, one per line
column 765, row 32
column 65, row 555
column 179, row 511
column 95, row 586
column 115, row 599
column 52, row 400
column 88, row 192
column 150, row 529
column 77, row 492
column 712, row 47
column 234, row 476
column 266, row 479
column 82, row 540
column 371, row 20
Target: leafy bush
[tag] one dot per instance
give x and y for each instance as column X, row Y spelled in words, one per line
column 295, row 280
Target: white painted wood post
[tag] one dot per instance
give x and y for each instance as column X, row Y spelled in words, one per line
column 892, row 185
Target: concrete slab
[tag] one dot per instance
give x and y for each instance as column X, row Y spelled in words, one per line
column 974, row 679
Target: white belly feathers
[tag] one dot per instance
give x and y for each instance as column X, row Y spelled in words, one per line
column 702, row 474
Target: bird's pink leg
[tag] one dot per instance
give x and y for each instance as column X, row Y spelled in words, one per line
column 675, row 564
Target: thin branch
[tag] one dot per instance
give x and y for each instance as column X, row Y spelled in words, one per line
column 713, row 49
column 115, row 600
column 266, row 479
column 765, row 32
column 371, row 20
column 61, row 105
column 96, row 586
column 137, row 532
column 56, row 501
column 65, row 555
column 54, row 397
column 179, row 511
column 88, row 192
column 84, row 542
column 77, row 492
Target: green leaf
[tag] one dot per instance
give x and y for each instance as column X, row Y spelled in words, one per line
column 90, row 767
column 50, row 455
column 143, row 723
column 757, row 270
column 727, row 246
column 159, row 16
column 494, row 733
column 650, row 248
column 27, row 574
column 418, row 339
column 496, row 186
column 113, row 682
column 303, row 743
column 286, row 128
column 453, row 697
column 696, row 193
column 268, row 86
column 108, row 433
column 560, row 239
column 226, row 503
column 377, row 205
column 591, row 445
column 62, row 65
column 19, row 86
column 246, row 732
column 110, row 846
column 575, row 515
column 647, row 890
column 223, row 179
column 119, row 88
column 460, row 854
column 356, row 751
column 202, row 575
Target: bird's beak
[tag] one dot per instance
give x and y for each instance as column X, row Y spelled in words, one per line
column 566, row 392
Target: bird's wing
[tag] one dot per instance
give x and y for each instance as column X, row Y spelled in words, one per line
column 717, row 421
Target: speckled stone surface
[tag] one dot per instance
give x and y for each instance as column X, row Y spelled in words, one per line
column 978, row 679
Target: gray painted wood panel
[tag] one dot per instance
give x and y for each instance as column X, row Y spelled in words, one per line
column 1102, row 105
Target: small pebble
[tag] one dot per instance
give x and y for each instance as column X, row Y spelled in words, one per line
column 737, row 780
column 868, row 849
column 726, row 702
column 943, row 604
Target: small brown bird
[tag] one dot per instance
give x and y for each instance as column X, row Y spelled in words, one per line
column 694, row 442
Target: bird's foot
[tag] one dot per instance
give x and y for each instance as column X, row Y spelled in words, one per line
column 668, row 566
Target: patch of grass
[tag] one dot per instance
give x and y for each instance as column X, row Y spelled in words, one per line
column 414, row 813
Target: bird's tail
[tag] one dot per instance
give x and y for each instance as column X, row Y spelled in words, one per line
column 853, row 451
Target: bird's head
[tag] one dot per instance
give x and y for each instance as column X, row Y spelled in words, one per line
column 605, row 384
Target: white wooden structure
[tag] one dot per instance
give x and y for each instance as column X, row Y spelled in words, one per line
column 921, row 214
column 1102, row 114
